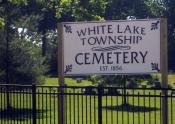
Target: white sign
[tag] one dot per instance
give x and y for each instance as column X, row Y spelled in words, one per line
column 112, row 47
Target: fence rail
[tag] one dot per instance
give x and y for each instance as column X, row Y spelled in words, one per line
column 84, row 105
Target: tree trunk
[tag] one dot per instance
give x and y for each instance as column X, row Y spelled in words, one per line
column 7, row 31
column 44, row 43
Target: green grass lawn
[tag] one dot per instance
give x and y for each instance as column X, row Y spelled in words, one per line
column 72, row 82
column 84, row 109
column 68, row 81
column 171, row 79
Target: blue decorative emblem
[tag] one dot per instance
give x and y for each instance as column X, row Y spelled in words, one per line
column 68, row 28
column 68, row 69
column 154, row 25
column 155, row 66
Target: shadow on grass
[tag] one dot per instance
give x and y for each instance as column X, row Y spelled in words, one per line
column 21, row 114
column 131, row 108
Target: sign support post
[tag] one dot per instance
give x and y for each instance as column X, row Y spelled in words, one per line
column 164, row 69
column 61, row 103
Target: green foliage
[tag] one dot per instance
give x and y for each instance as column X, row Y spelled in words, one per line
column 157, row 10
column 169, row 13
column 18, row 2
column 120, row 9
column 2, row 55
column 118, row 80
column 26, row 65
column 89, row 10
column 2, row 22
column 26, row 62
column 52, row 56
column 106, row 80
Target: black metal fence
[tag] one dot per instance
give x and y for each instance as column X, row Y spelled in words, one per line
column 84, row 105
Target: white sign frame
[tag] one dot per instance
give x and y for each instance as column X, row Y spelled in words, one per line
column 68, row 29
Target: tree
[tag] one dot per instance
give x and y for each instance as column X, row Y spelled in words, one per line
column 169, row 6
column 120, row 9
column 21, row 61
column 2, row 55
column 25, row 44
column 5, row 12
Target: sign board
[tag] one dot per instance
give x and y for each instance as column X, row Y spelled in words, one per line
column 111, row 47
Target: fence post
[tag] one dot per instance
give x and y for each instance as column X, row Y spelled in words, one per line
column 34, row 103
column 99, row 105
column 61, row 105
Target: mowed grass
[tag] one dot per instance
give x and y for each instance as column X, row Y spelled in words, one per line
column 83, row 109
column 171, row 79
column 68, row 81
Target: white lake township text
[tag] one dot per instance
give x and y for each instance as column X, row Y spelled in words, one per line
column 106, row 34
column 110, row 35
